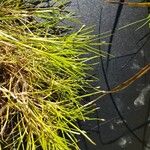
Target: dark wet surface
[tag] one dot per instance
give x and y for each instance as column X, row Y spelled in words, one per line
column 130, row 54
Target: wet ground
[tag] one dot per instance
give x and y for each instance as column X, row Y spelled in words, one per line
column 126, row 113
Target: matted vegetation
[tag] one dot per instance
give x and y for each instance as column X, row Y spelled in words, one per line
column 41, row 74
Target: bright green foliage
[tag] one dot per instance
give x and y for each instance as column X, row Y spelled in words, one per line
column 41, row 74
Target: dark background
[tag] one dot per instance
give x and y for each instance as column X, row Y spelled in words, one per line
column 126, row 113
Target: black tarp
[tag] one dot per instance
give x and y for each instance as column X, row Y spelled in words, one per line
column 128, row 109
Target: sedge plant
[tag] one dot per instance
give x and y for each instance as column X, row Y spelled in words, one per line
column 42, row 71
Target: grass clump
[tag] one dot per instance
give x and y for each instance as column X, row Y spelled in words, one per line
column 41, row 74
